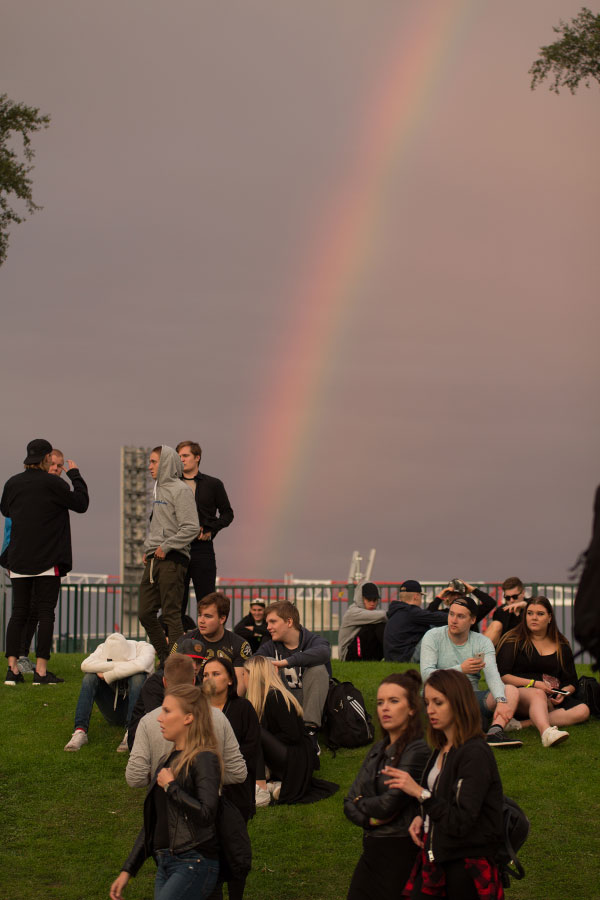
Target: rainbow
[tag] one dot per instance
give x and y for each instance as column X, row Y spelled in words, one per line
column 288, row 413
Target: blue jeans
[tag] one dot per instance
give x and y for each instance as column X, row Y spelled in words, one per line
column 96, row 690
column 184, row 876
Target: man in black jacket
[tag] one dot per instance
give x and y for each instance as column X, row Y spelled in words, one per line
column 214, row 513
column 39, row 551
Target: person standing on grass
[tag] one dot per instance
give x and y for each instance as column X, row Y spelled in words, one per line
column 460, row 828
column 181, row 805
column 385, row 814
column 39, row 551
column 113, row 679
column 173, row 526
column 536, row 659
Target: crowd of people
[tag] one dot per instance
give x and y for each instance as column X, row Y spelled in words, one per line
column 229, row 720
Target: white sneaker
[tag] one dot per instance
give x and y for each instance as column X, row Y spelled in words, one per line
column 123, row 747
column 78, row 739
column 263, row 798
column 553, row 736
column 274, row 789
column 513, row 725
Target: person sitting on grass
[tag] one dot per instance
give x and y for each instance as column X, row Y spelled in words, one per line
column 287, row 750
column 456, row 646
column 536, row 659
column 385, row 815
column 220, row 685
column 360, row 636
column 302, row 660
column 253, row 627
column 508, row 615
column 114, row 675
column 180, row 808
column 150, row 746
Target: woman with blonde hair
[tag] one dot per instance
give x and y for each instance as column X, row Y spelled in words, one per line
column 287, row 749
column 537, row 659
column 181, row 804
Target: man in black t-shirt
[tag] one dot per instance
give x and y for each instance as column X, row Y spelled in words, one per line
column 507, row 616
column 213, row 611
column 253, row 627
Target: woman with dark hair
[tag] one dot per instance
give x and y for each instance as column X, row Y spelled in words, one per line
column 537, row 659
column 385, row 814
column 287, row 750
column 219, row 683
column 460, row 827
column 180, row 808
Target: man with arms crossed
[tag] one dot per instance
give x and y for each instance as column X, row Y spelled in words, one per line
column 214, row 513
column 173, row 526
column 455, row 646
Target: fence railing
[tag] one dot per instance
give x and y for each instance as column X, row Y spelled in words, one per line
column 87, row 613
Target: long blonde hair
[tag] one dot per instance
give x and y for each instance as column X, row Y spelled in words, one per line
column 263, row 677
column 200, row 735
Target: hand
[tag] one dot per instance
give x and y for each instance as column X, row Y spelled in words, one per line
column 205, row 535
column 556, row 700
column 159, row 553
column 71, row 465
column 415, row 829
column 470, row 587
column 249, row 627
column 542, row 686
column 402, row 781
column 164, row 777
column 513, row 607
column 473, row 665
column 279, row 663
column 144, row 559
column 118, row 885
column 100, row 675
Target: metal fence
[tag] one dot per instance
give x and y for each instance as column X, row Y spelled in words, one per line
column 87, row 613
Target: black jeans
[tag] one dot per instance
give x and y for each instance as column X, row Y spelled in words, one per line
column 46, row 589
column 202, row 572
column 162, row 588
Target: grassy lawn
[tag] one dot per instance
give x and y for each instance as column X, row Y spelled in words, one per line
column 69, row 819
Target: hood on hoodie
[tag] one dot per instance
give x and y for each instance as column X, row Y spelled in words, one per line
column 358, row 594
column 170, row 467
column 118, row 649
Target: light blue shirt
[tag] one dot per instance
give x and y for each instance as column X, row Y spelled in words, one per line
column 439, row 652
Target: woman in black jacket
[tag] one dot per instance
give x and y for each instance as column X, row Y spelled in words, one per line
column 219, row 682
column 385, row 814
column 459, row 829
column 181, row 805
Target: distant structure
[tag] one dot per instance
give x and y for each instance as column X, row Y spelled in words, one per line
column 354, row 574
column 136, row 496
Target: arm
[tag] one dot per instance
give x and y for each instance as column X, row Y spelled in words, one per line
column 362, row 616
column 188, row 526
column 429, row 655
column 78, row 499
column 234, row 763
column 490, row 670
column 472, row 782
column 200, row 805
column 224, row 509
column 568, row 673
column 139, row 765
column 360, row 784
column 389, row 804
column 318, row 653
column 486, row 604
column 144, row 662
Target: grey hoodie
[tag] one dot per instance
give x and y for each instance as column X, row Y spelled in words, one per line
column 354, row 618
column 174, row 522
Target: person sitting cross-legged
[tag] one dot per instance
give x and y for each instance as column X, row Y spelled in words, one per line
column 114, row 675
column 455, row 646
column 361, row 633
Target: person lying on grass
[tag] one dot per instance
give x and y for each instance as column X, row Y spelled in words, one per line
column 537, row 659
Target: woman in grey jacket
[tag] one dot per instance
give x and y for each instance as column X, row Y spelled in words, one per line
column 385, row 814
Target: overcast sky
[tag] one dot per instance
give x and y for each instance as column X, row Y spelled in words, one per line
column 444, row 407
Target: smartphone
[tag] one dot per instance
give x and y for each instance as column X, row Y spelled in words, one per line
column 559, row 693
column 479, row 655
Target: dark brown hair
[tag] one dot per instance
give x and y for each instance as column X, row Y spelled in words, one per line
column 285, row 610
column 157, row 449
column 228, row 666
column 410, row 682
column 512, row 582
column 520, row 635
column 457, row 689
column 195, row 448
column 222, row 602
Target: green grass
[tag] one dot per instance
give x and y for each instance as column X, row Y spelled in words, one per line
column 69, row 819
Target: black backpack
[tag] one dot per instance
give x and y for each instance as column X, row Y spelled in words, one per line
column 516, row 829
column 589, row 691
column 346, row 722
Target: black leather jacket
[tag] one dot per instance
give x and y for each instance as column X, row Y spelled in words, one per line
column 465, row 811
column 369, row 797
column 192, row 805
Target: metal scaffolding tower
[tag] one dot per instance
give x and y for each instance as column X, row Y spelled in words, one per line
column 136, row 500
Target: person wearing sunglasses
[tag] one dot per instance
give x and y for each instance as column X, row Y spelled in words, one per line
column 508, row 615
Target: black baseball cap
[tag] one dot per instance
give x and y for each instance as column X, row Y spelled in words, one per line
column 370, row 591
column 192, row 647
column 411, row 587
column 467, row 602
column 37, row 449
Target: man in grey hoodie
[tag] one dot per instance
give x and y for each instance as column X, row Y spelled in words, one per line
column 361, row 632
column 173, row 526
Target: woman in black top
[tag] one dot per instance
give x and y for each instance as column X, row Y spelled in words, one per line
column 460, row 826
column 385, row 814
column 181, row 805
column 537, row 659
column 219, row 682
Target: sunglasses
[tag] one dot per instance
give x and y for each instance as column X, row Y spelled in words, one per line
column 509, row 597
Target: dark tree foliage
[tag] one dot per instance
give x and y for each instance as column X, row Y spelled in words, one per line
column 574, row 58
column 17, row 123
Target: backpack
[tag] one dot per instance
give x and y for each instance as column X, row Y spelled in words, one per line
column 516, row 830
column 346, row 722
column 589, row 691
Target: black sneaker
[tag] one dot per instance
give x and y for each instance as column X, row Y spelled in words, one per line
column 48, row 678
column 11, row 678
column 499, row 738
